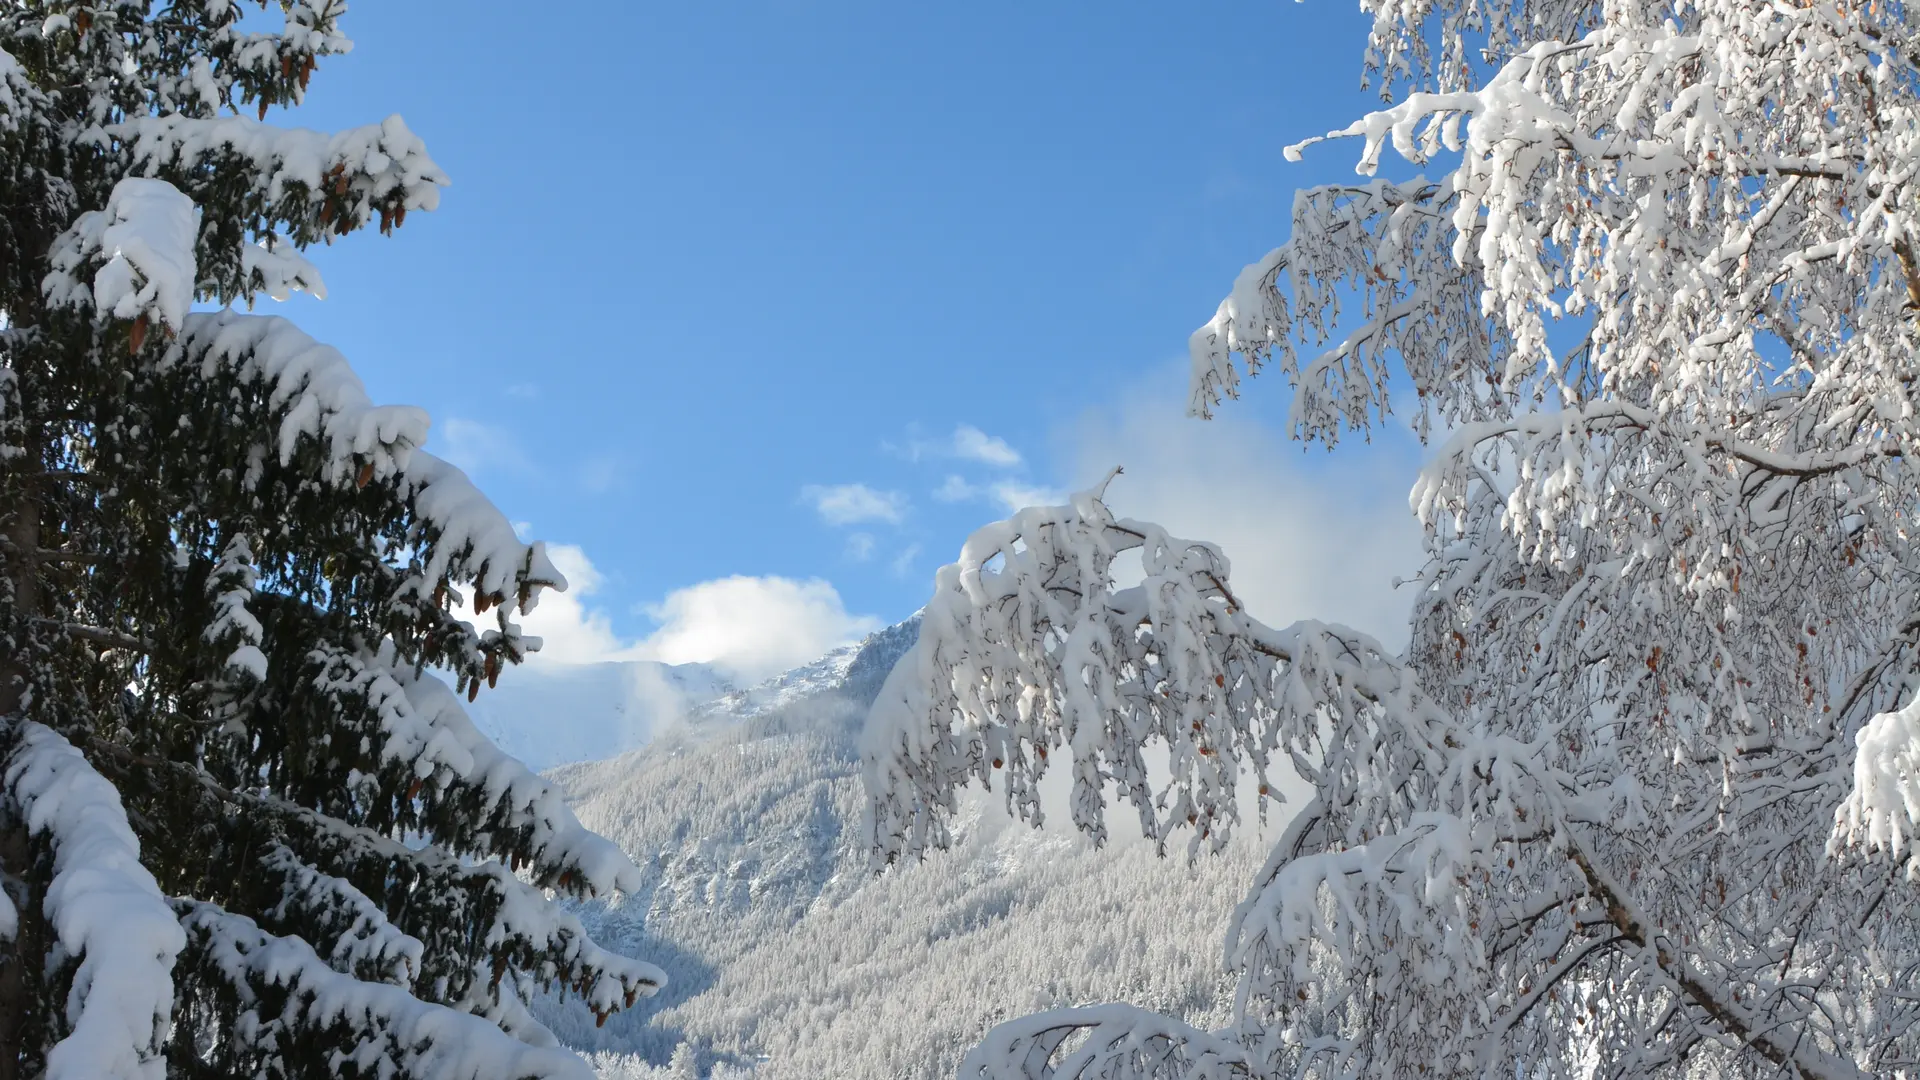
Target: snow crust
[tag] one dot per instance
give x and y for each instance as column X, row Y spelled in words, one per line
column 1883, row 810
column 13, row 82
column 381, row 162
column 1120, row 1040
column 146, row 236
column 231, row 586
column 280, row 271
column 106, row 909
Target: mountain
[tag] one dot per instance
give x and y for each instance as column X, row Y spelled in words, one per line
column 549, row 715
column 790, row 956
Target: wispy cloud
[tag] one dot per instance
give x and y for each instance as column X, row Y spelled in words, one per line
column 860, row 546
column 967, row 443
column 1310, row 536
column 971, row 443
column 851, row 504
column 1008, row 494
column 902, row 564
column 601, row 473
column 956, row 489
column 1018, row 496
column 479, row 447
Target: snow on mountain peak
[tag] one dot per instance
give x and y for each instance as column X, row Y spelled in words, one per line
column 789, row 956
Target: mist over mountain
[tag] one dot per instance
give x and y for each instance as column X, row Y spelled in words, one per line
column 787, row 953
column 548, row 715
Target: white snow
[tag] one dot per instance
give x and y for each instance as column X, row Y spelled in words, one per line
column 382, row 1028
column 1120, row 1040
column 13, row 84
column 280, row 271
column 326, row 402
column 1883, row 810
column 367, row 941
column 376, row 163
column 231, row 585
column 146, row 237
column 107, row 910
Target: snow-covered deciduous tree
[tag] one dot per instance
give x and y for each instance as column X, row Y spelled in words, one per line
column 243, row 830
column 1638, row 798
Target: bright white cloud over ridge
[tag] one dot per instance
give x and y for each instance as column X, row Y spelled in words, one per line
column 748, row 627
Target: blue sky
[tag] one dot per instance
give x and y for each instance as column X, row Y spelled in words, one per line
column 703, row 267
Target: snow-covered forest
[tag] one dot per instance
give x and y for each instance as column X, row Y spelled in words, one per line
column 1637, row 798
column 787, row 955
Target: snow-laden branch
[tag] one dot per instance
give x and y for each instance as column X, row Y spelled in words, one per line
column 482, row 902
column 1028, row 646
column 290, row 997
column 106, row 909
column 365, row 943
column 233, row 626
column 517, row 796
column 425, row 729
column 14, row 85
column 146, row 237
column 1115, row 1042
column 380, row 167
column 321, row 401
column 1883, row 810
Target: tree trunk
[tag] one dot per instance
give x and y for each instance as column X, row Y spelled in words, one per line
column 21, row 532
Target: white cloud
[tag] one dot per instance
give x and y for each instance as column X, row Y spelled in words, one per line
column 479, row 447
column 749, row 627
column 975, row 445
column 1010, row 495
column 851, row 504
column 754, row 627
column 1017, row 496
column 570, row 632
column 967, row 443
column 1310, row 535
column 956, row 489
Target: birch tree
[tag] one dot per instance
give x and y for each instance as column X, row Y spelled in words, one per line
column 1637, row 799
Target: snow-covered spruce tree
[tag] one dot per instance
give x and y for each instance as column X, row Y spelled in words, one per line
column 243, row 832
column 1637, row 799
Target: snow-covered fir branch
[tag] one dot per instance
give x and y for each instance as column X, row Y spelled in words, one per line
column 246, row 826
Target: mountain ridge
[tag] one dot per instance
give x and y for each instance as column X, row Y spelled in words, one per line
column 788, row 954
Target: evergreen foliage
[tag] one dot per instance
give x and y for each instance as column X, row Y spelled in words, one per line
column 243, row 831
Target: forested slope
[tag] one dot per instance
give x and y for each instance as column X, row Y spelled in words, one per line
column 786, row 950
